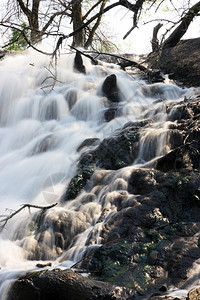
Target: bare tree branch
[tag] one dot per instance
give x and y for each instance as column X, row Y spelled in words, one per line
column 126, row 62
column 91, row 9
column 95, row 62
column 154, row 41
column 177, row 34
column 5, row 219
column 96, row 25
column 25, row 10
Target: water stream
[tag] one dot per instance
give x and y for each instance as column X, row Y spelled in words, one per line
column 43, row 122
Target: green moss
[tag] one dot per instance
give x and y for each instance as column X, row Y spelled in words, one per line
column 79, row 181
column 124, row 263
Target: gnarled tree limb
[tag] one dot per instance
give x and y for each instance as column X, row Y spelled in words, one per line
column 155, row 41
column 177, row 34
column 5, row 219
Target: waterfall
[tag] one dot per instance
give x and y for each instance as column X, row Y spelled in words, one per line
column 46, row 113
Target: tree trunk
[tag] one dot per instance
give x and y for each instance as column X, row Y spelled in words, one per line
column 177, row 34
column 35, row 36
column 33, row 19
column 78, row 38
column 34, row 22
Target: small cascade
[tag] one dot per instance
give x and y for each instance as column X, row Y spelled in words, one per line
column 88, row 131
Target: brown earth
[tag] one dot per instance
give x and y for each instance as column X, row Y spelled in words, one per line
column 181, row 62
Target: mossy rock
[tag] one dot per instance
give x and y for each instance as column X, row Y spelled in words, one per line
column 78, row 182
column 124, row 263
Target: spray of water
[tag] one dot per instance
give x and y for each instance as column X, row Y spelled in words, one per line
column 46, row 113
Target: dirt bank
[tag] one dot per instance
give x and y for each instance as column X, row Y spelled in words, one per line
column 182, row 62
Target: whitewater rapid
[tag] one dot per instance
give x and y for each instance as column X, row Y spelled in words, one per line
column 42, row 124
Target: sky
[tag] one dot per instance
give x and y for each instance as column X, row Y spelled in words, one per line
column 118, row 21
column 139, row 41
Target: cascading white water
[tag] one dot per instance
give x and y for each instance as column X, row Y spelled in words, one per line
column 43, row 121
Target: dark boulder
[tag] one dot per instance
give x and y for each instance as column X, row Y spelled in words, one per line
column 88, row 142
column 64, row 284
column 183, row 62
column 115, row 152
column 142, row 181
column 112, row 153
column 78, row 63
column 186, row 156
column 110, row 88
column 110, row 113
column 150, row 240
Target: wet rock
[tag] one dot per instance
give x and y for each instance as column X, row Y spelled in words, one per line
column 156, row 76
column 176, row 138
column 116, row 152
column 142, row 182
column 151, row 239
column 44, row 145
column 184, row 112
column 78, row 182
column 88, row 142
column 186, row 156
column 64, row 285
column 136, row 124
column 181, row 112
column 193, row 134
column 78, row 63
column 125, row 262
column 110, row 88
column 163, row 288
column 152, row 257
column 111, row 113
column 71, row 97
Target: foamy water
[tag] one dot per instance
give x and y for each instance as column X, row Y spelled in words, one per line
column 43, row 121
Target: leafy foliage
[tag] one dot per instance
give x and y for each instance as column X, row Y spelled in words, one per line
column 17, row 40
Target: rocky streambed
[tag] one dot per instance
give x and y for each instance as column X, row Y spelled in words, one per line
column 151, row 244
column 136, row 193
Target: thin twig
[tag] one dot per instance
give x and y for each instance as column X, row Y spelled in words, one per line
column 5, row 220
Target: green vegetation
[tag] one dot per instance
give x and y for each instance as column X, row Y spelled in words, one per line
column 17, row 40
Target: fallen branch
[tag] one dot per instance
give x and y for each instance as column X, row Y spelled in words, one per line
column 4, row 221
column 151, row 75
column 95, row 62
column 126, row 62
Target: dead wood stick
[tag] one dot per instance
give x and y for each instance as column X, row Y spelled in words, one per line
column 95, row 62
column 5, row 220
